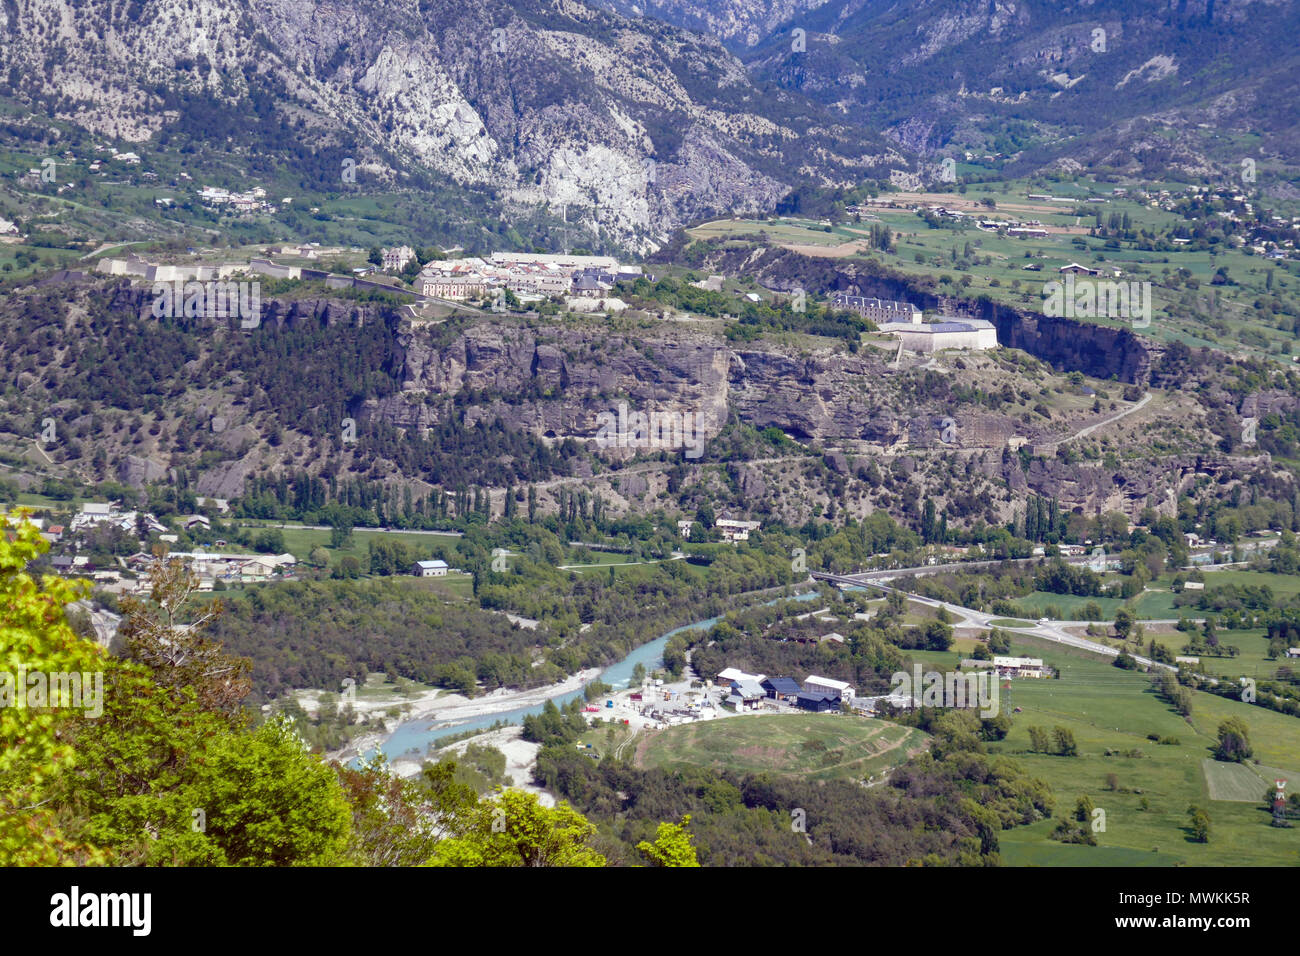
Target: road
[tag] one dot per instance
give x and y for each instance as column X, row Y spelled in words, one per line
column 969, row 617
column 1085, row 432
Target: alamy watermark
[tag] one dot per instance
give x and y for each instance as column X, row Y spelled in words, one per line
column 56, row 690
column 670, row 430
column 209, row 300
column 970, row 689
column 1092, row 298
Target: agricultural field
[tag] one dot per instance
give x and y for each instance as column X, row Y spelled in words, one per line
column 812, row 746
column 1146, row 821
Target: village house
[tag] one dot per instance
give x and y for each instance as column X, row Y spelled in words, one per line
column 734, row 531
column 1075, row 269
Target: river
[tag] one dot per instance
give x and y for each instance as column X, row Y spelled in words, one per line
column 414, row 737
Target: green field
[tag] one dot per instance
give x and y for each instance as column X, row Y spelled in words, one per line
column 974, row 262
column 812, row 746
column 1111, row 709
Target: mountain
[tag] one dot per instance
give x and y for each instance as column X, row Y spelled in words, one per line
column 738, row 23
column 1138, row 87
column 632, row 126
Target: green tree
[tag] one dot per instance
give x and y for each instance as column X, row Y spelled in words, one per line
column 1083, row 808
column 516, row 830
column 671, row 846
column 1200, row 824
column 268, row 802
column 1039, row 741
column 1234, row 741
column 35, row 636
column 1123, row 622
column 1063, row 738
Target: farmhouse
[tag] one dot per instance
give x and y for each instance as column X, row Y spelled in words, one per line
column 429, row 569
column 1075, row 269
column 1018, row 666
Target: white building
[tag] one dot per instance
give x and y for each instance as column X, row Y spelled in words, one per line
column 395, row 259
column 732, row 674
column 429, row 569
column 825, row 685
column 947, row 333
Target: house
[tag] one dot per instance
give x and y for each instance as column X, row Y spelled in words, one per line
column 1194, row 586
column 1018, row 666
column 734, row 531
column 824, row 685
column 833, row 636
column 53, row 534
column 429, row 569
column 1187, row 660
column 197, row 521
column 61, row 563
column 684, row 527
column 1293, row 652
column 819, row 702
column 781, row 688
column 396, row 259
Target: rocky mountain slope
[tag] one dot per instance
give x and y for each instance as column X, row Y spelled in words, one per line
column 738, row 23
column 507, row 401
column 631, row 126
column 1190, row 85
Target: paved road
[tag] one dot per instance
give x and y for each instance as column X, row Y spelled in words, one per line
column 969, row 617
